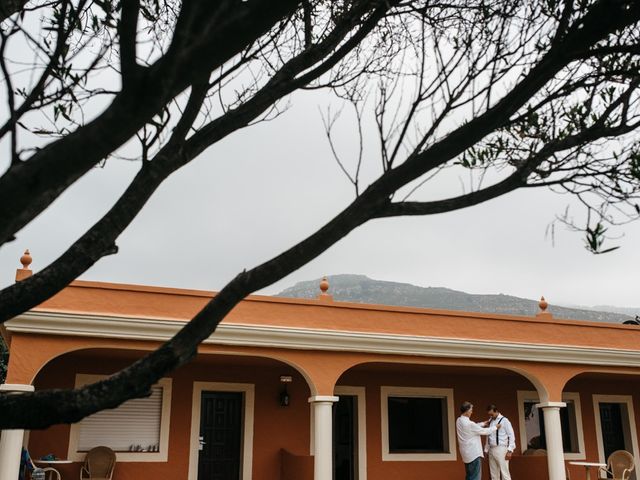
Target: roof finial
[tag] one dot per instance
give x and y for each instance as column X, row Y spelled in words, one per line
column 324, row 287
column 25, row 271
column 543, row 305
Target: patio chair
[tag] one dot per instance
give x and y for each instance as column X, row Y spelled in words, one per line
column 619, row 465
column 539, row 452
column 27, row 466
column 98, row 464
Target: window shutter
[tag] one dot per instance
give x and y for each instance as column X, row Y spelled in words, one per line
column 135, row 423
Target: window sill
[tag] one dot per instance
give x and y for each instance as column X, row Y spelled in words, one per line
column 575, row 456
column 418, row 457
column 127, row 456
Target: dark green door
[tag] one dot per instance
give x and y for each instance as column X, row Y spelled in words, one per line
column 220, row 436
column 345, row 439
column 612, row 428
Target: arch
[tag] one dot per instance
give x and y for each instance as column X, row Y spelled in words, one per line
column 524, row 370
column 223, row 367
column 598, row 385
column 29, row 354
column 596, row 370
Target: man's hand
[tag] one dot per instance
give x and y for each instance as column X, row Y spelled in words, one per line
column 508, row 455
column 498, row 427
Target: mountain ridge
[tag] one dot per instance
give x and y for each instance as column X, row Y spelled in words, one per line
column 362, row 289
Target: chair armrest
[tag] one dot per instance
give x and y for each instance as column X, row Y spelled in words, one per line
column 605, row 471
column 53, row 472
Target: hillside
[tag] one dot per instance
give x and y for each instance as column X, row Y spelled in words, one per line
column 362, row 289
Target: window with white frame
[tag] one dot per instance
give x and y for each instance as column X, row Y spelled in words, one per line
column 417, row 423
column 137, row 430
column 532, row 432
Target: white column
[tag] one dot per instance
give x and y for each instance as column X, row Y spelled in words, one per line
column 11, row 440
column 553, row 435
column 323, row 436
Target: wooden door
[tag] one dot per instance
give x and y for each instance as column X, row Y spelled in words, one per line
column 221, row 421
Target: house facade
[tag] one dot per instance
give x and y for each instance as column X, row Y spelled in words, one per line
column 290, row 389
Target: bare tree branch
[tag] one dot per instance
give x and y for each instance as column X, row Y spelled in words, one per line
column 40, row 409
column 29, row 187
column 99, row 240
column 9, row 7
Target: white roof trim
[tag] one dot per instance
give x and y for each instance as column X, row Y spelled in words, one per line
column 316, row 339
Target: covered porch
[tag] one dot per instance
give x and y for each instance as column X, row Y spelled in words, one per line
column 365, row 429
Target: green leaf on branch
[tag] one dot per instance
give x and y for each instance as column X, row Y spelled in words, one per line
column 595, row 238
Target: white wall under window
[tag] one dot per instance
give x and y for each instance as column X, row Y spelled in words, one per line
column 448, row 423
column 137, row 430
column 530, row 427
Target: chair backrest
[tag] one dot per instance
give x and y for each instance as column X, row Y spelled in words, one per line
column 618, row 462
column 100, row 462
column 538, row 452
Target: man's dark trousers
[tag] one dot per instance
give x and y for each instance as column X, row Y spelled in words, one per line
column 474, row 469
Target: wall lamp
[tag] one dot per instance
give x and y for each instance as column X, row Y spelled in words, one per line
column 284, row 395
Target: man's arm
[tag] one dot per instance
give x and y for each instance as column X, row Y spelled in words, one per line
column 486, row 440
column 479, row 430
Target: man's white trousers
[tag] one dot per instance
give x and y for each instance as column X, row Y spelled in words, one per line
column 498, row 464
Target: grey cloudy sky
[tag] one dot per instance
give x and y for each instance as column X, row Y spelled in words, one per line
column 264, row 188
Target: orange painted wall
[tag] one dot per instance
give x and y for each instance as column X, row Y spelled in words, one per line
column 276, row 427
column 136, row 301
column 296, row 467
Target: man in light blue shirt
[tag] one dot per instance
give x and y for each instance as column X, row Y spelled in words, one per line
column 500, row 444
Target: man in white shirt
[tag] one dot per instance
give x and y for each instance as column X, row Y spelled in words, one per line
column 500, row 445
column 469, row 441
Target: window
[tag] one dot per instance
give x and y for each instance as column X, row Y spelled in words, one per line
column 615, row 425
column 532, row 431
column 417, row 424
column 137, row 430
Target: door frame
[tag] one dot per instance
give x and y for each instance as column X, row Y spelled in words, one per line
column 626, row 400
column 247, row 432
column 359, row 393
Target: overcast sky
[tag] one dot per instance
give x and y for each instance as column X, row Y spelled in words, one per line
column 256, row 193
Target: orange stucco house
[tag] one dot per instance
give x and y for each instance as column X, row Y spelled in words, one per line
column 318, row 390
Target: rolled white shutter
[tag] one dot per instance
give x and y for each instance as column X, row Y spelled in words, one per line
column 135, row 423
